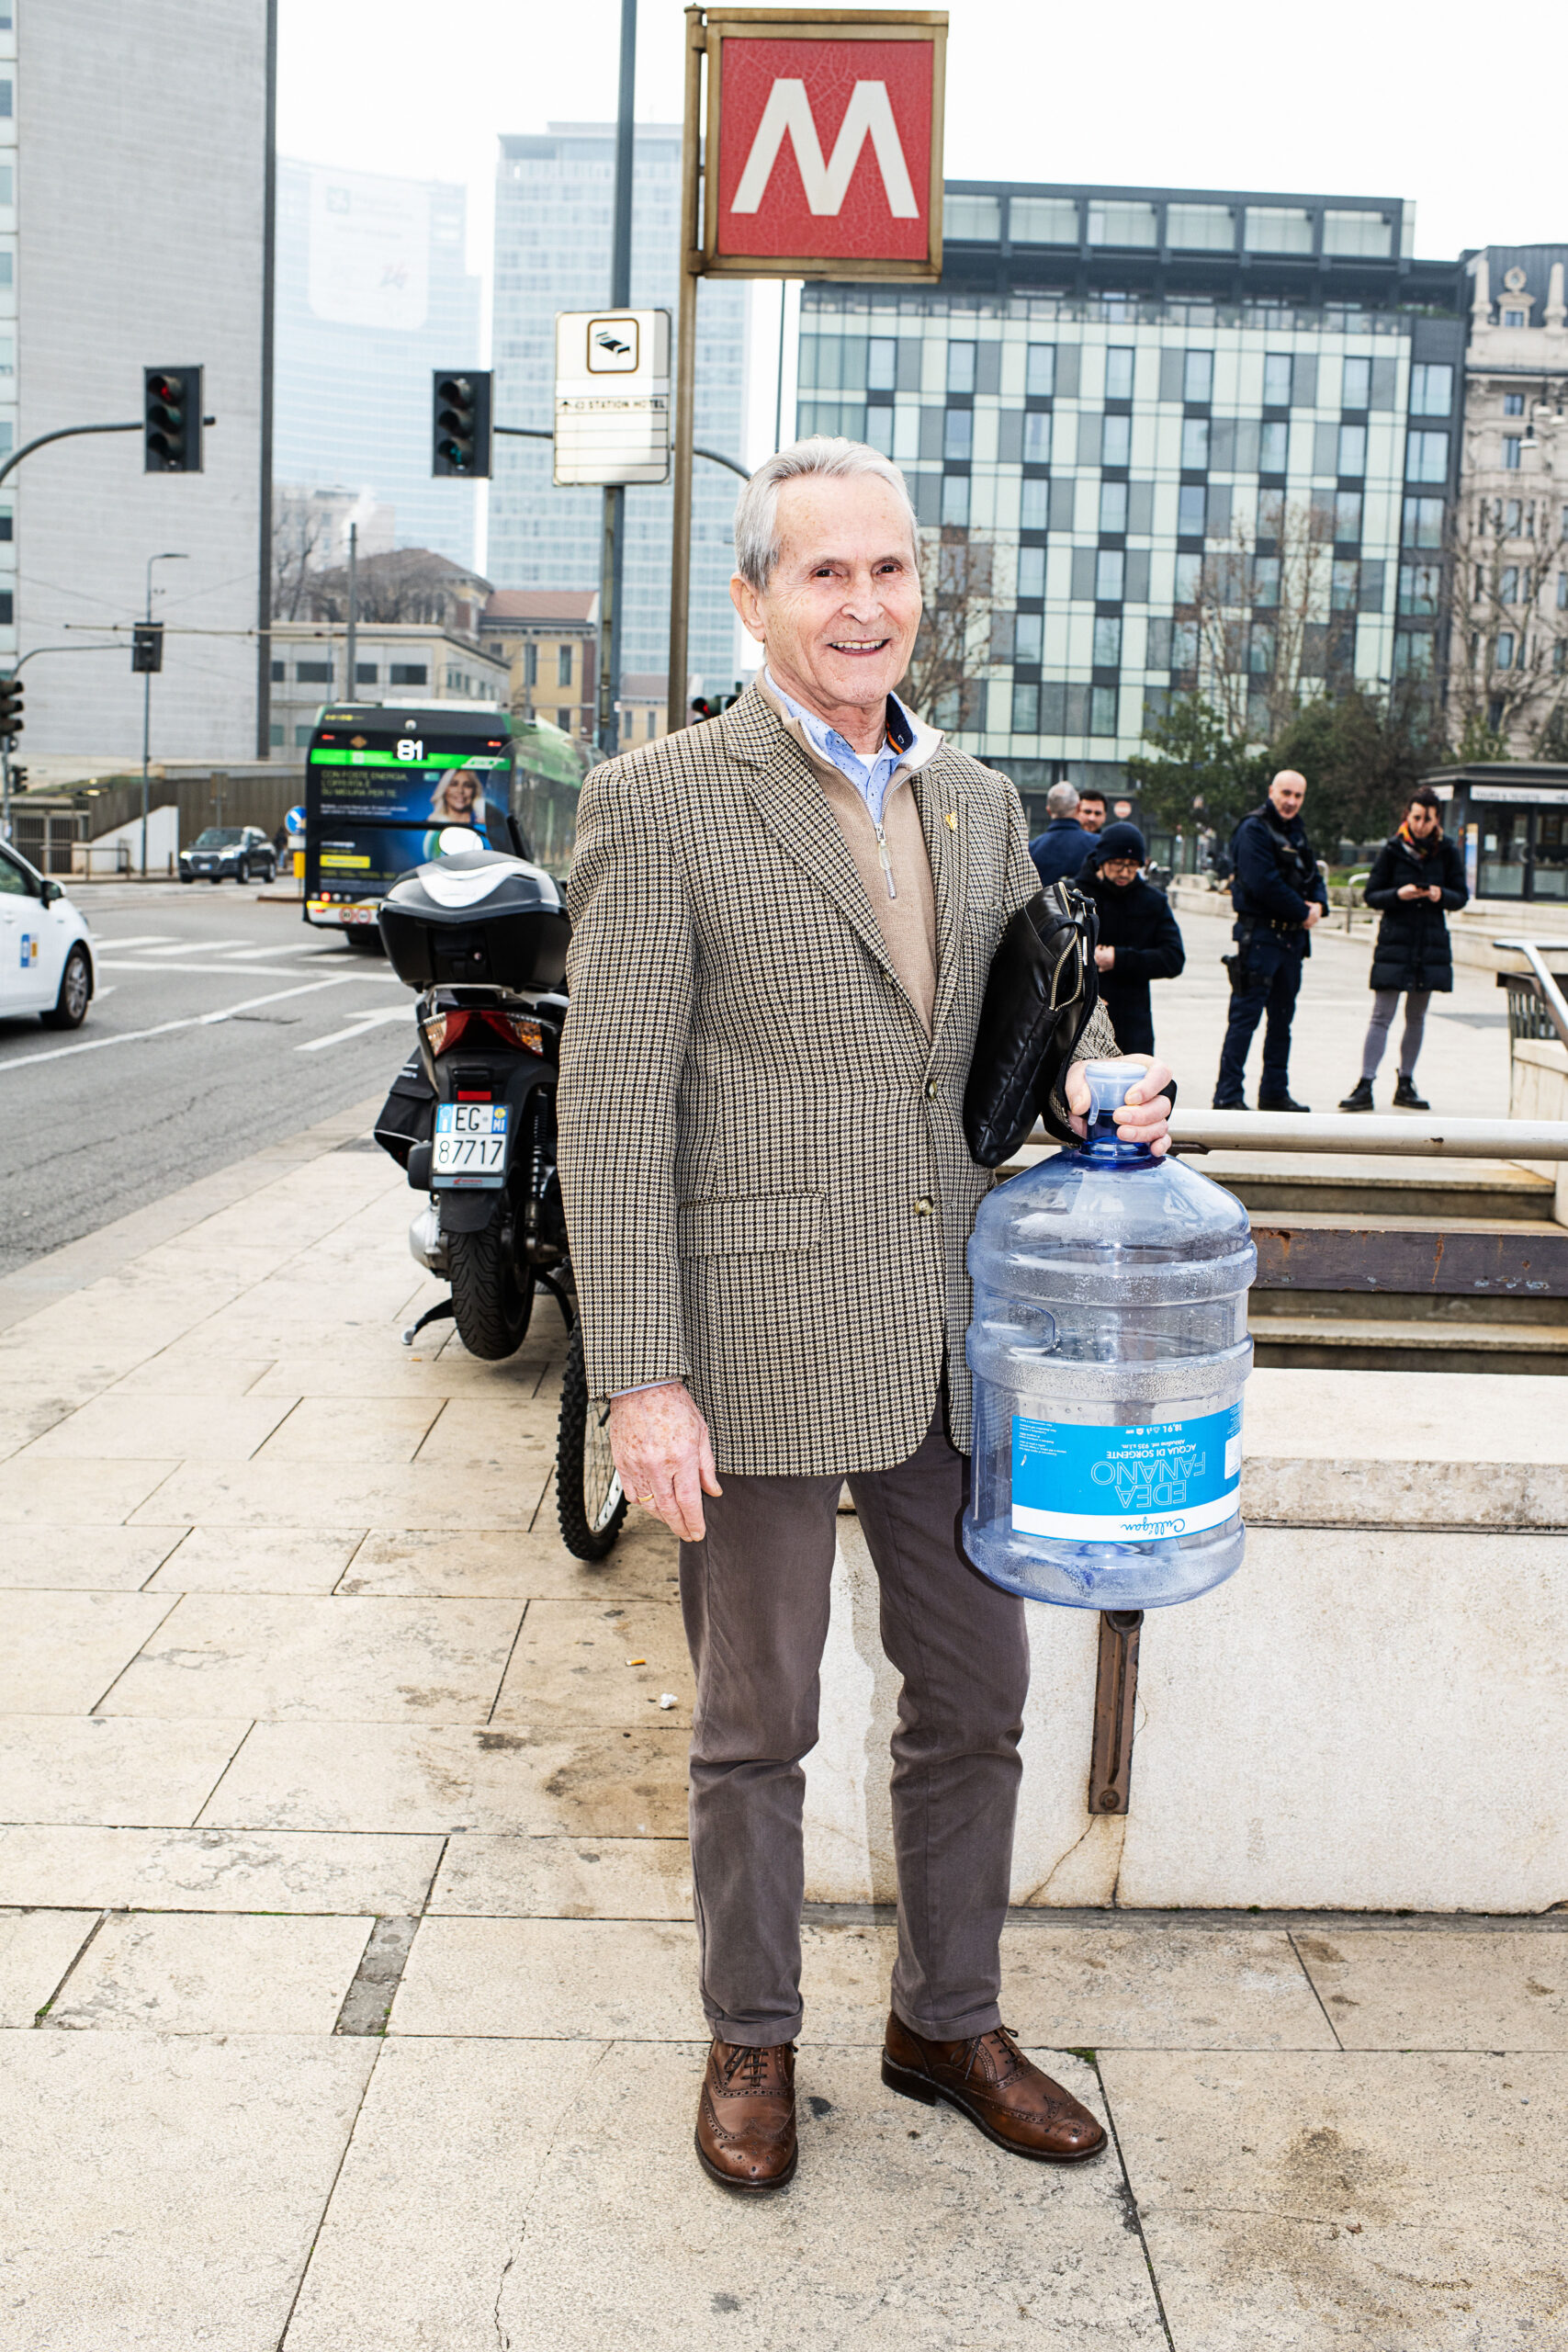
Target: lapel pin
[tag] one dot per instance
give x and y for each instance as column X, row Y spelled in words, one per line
column 951, row 815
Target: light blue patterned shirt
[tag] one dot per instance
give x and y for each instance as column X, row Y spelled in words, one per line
column 870, row 777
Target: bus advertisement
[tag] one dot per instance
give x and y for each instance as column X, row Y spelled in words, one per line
column 382, row 783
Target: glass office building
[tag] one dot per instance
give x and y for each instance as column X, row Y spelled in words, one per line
column 552, row 253
column 1192, row 427
column 373, row 294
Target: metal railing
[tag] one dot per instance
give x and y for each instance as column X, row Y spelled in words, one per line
column 1362, row 1133
column 1535, row 952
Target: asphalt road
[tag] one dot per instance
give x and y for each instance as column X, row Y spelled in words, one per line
column 221, row 1023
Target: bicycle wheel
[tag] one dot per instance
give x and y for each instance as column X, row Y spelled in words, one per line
column 589, row 1500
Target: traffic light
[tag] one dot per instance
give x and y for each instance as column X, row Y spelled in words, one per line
column 10, row 708
column 146, row 648
column 171, row 409
column 709, row 706
column 461, row 424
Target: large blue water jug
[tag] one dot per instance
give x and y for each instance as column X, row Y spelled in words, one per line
column 1109, row 1348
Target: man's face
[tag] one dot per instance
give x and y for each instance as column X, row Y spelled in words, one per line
column 1120, row 871
column 838, row 617
column 1091, row 814
column 1420, row 819
column 1287, row 792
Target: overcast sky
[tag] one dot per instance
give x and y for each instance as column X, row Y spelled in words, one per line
column 1339, row 97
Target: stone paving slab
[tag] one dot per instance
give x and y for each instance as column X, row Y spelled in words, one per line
column 1391, row 2203
column 99, row 1559
column 36, row 1948
column 563, row 1878
column 97, row 1770
column 1389, row 1990
column 601, row 1662
column 163, row 2191
column 213, row 1971
column 216, row 1870
column 533, row 1567
column 61, row 1651
column 255, row 1559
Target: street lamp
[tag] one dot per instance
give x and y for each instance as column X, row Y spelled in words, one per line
column 169, row 556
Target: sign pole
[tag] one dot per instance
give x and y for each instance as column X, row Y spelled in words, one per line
column 685, row 376
column 613, row 554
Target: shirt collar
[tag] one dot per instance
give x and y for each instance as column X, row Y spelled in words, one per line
column 900, row 731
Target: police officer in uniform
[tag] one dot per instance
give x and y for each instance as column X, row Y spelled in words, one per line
column 1279, row 895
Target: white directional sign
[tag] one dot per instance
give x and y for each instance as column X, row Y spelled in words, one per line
column 612, row 396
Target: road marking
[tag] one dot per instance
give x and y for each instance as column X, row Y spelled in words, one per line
column 154, row 939
column 261, row 971
column 165, row 1028
column 360, row 1026
column 199, row 947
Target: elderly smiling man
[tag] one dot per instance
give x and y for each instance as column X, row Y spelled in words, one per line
column 784, row 922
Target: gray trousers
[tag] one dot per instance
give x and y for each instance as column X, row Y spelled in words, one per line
column 1384, row 1002
column 755, row 1597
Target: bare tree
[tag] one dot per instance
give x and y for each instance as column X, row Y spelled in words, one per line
column 409, row 584
column 300, row 534
column 943, row 682
column 1503, row 586
column 1265, row 618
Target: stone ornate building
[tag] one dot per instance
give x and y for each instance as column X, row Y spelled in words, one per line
column 1509, row 575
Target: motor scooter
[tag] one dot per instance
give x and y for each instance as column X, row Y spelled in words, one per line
column 472, row 1117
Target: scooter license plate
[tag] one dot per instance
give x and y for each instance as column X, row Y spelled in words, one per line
column 470, row 1145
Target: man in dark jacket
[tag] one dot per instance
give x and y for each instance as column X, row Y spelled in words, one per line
column 1277, row 895
column 1138, row 941
column 1061, row 849
column 1416, row 882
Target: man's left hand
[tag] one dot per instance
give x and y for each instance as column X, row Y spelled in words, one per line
column 1105, row 959
column 1143, row 1118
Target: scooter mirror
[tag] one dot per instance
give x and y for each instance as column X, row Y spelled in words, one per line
column 459, row 841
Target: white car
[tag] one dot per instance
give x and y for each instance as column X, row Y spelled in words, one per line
column 46, row 948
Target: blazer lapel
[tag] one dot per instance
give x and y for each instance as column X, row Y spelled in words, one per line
column 939, row 800
column 790, row 800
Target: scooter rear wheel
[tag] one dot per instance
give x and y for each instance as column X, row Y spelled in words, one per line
column 588, row 1498
column 493, row 1298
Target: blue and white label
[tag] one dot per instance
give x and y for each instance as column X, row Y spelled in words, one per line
column 1097, row 1484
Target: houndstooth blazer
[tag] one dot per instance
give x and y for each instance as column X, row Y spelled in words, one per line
column 767, row 1185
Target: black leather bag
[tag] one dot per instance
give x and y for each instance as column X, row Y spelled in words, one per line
column 1041, row 994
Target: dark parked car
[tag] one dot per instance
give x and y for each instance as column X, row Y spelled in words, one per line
column 242, row 850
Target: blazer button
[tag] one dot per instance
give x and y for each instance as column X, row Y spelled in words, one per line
column 924, row 1205
column 932, row 1089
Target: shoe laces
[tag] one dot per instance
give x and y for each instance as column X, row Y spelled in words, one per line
column 1000, row 2040
column 752, row 2062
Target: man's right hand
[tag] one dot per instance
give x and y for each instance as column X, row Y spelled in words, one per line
column 664, row 1454
column 1313, row 914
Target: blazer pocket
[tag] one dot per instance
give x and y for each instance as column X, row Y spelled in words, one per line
column 753, row 1226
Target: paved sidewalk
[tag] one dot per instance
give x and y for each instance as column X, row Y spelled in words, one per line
column 309, row 1714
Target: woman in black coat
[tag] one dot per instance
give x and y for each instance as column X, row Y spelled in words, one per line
column 1139, row 941
column 1416, row 881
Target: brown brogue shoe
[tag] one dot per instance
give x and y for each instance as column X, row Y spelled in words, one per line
column 989, row 2079
column 746, row 2115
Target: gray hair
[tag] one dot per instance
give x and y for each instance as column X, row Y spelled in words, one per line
column 757, row 510
column 1062, row 801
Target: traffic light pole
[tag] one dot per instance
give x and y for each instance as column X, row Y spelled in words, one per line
column 612, row 564
column 685, row 375
column 64, row 433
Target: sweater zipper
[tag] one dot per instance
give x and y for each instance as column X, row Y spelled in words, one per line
column 884, row 854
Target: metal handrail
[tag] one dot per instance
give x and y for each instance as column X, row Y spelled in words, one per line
column 1408, row 1138
column 1551, row 995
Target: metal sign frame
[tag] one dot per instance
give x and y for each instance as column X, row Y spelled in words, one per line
column 597, row 396
column 818, row 24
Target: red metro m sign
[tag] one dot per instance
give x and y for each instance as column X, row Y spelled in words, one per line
column 826, row 134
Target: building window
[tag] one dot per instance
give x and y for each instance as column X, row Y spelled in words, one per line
column 1562, row 592
column 1200, row 228
column 1513, row 519
column 1352, row 458
column 1194, row 444
column 1121, row 224
column 1033, row 503
column 1184, row 645
column 314, row 674
column 1277, row 229
column 274, row 735
column 563, row 720
column 1102, row 710
column 1026, row 710
column 1036, row 436
column 409, row 673
column 960, row 366
column 1508, row 588
column 955, row 498
column 1273, row 444
column 1420, row 585
column 1028, row 632
column 1513, row 403
column 1344, row 585
column 1032, row 572
column 1265, row 580
column 1189, row 511
column 1432, row 391
column 1107, row 641
column 1109, row 573
column 1260, row 649
column 1116, row 439
column 1503, row 652
column 7, row 102
column 975, row 218
column 530, row 664
column 1277, row 379
column 1114, row 507
column 1426, row 458
column 1412, row 655
column 958, row 433
column 1513, row 318
column 1512, row 443
column 1559, row 658
column 1197, row 376
column 879, row 428
column 1359, row 236
column 563, row 665
column 302, row 736
column 1357, row 388
column 1041, row 221
column 7, row 178
column 881, row 363
column 1119, row 374
column 1423, row 524
column 279, row 672
column 1040, row 370
column 365, row 673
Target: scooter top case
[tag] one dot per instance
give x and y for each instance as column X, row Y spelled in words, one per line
column 479, row 916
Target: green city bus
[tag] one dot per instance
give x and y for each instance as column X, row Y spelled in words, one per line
column 383, row 782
